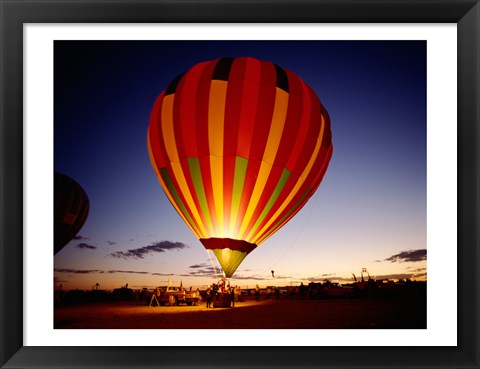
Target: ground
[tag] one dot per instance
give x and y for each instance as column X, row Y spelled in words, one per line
column 374, row 313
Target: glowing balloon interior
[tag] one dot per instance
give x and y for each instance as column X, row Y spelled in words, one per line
column 239, row 145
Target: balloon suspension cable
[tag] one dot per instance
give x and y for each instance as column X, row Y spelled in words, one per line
column 312, row 205
column 212, row 263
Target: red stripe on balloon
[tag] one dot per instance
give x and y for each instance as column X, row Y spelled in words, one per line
column 202, row 93
column 227, row 243
column 309, row 143
column 265, row 86
column 156, row 144
column 272, row 181
column 291, row 128
column 185, row 112
column 178, row 129
column 248, row 107
column 327, row 154
column 263, row 118
column 201, row 109
column 233, row 107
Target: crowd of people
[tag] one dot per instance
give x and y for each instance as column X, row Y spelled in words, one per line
column 221, row 294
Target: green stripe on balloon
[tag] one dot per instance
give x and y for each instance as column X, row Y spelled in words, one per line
column 196, row 174
column 281, row 221
column 229, row 260
column 278, row 189
column 169, row 183
column 241, row 165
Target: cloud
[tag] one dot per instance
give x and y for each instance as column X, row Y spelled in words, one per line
column 417, row 270
column 324, row 277
column 86, row 246
column 143, row 286
column 281, row 277
column 400, row 276
column 127, row 271
column 78, row 271
column 111, row 243
column 202, row 270
column 255, row 277
column 139, row 253
column 79, row 238
column 81, row 271
column 197, row 266
column 409, row 256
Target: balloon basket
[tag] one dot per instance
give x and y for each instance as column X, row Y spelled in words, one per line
column 222, row 300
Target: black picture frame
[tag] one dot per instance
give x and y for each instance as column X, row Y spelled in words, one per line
column 14, row 14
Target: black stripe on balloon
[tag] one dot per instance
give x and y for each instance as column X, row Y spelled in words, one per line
column 222, row 69
column 173, row 85
column 282, row 79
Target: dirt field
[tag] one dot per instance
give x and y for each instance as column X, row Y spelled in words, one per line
column 266, row 314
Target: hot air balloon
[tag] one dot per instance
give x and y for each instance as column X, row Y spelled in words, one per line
column 239, row 145
column 71, row 207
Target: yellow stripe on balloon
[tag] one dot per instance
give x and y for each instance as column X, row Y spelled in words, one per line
column 216, row 167
column 258, row 237
column 169, row 142
column 241, row 165
column 278, row 123
column 273, row 141
column 263, row 174
column 216, row 121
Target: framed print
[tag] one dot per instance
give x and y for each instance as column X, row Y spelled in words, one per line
column 143, row 112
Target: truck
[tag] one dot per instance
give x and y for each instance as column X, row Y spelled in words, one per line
column 174, row 296
column 336, row 290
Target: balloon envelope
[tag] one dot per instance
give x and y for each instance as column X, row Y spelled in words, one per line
column 239, row 145
column 71, row 206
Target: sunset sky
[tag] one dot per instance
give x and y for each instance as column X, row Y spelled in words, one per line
column 369, row 212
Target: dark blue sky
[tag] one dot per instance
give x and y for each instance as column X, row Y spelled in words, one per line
column 370, row 206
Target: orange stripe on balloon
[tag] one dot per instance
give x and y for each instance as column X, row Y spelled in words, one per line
column 166, row 118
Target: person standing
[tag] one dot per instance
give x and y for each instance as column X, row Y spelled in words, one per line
column 209, row 297
column 232, row 296
column 257, row 293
